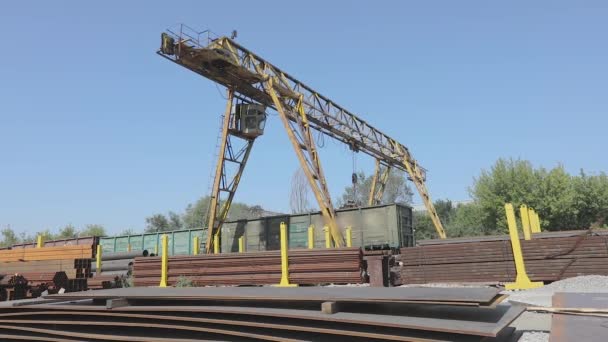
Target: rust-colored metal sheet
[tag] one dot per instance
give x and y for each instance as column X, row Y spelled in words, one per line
column 580, row 300
column 314, row 294
column 571, row 328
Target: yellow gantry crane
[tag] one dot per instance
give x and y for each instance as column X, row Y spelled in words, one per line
column 255, row 85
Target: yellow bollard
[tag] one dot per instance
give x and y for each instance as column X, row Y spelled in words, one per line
column 241, row 244
column 525, row 221
column 164, row 261
column 284, row 259
column 128, row 247
column 537, row 222
column 39, row 242
column 349, row 236
column 522, row 281
column 156, row 249
column 98, row 259
column 195, row 246
column 311, row 237
column 216, row 244
column 327, row 237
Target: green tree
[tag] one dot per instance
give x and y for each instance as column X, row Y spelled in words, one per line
column 175, row 221
column 562, row 201
column 157, row 223
column 195, row 216
column 93, row 230
column 9, row 237
column 396, row 190
column 67, row 232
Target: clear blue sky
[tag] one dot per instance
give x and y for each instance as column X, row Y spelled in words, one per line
column 96, row 128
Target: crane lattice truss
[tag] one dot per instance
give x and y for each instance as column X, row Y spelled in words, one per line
column 301, row 110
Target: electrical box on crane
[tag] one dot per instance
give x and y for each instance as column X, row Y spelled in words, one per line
column 250, row 119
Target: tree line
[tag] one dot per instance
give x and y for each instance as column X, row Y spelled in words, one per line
column 563, row 201
column 8, row 237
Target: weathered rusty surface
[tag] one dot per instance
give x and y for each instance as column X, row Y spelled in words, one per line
column 338, row 265
column 262, row 313
column 548, row 257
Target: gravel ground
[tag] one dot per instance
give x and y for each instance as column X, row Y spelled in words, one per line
column 542, row 296
column 533, row 336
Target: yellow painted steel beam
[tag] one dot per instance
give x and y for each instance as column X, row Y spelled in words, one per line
column 224, row 187
column 522, row 281
column 284, row 258
column 39, row 242
column 379, row 181
column 241, row 244
column 98, row 258
column 304, row 145
column 349, row 236
column 311, row 237
column 196, row 246
column 216, row 244
column 525, row 221
column 226, row 62
column 164, row 266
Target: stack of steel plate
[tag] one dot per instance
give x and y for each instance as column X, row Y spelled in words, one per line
column 579, row 317
column 306, row 266
column 548, row 257
column 263, row 313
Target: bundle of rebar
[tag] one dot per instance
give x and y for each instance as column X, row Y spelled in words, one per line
column 548, row 257
column 306, row 266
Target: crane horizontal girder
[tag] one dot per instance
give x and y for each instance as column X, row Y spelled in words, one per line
column 230, row 64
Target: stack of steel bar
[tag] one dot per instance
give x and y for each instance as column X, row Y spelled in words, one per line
column 91, row 241
column 548, row 257
column 306, row 266
column 48, row 269
column 264, row 313
column 47, row 253
column 115, row 269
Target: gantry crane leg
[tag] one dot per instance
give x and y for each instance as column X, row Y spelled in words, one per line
column 418, row 178
column 304, row 145
column 224, row 187
column 381, row 175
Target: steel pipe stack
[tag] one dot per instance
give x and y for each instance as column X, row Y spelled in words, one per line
column 306, row 266
column 548, row 257
column 115, row 269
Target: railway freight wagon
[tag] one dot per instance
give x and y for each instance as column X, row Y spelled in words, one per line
column 377, row 227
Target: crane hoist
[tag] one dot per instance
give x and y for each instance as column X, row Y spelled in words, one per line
column 254, row 86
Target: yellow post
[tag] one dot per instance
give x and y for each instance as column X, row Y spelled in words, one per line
column 327, row 237
column 284, row 259
column 39, row 242
column 537, row 222
column 349, row 236
column 525, row 221
column 216, row 244
column 164, row 261
column 156, row 249
column 522, row 281
column 98, row 259
column 195, row 246
column 241, row 244
column 311, row 237
column 128, row 247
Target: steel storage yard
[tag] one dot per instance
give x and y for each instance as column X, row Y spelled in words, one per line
column 384, row 226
